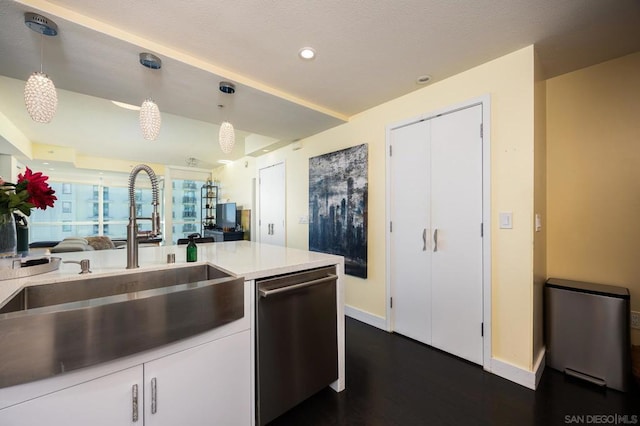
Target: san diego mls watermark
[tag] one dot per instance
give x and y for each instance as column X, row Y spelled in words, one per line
column 602, row 419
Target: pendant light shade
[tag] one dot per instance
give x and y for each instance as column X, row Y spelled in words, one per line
column 227, row 137
column 40, row 97
column 150, row 120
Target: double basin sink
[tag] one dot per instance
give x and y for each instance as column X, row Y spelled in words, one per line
column 52, row 328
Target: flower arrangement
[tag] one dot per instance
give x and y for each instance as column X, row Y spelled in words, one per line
column 31, row 191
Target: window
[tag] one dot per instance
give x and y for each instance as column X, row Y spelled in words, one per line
column 66, row 188
column 187, row 211
column 76, row 213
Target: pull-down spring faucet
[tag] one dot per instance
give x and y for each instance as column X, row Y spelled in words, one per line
column 132, row 228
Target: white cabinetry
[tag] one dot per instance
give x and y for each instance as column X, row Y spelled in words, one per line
column 206, row 384
column 105, row 401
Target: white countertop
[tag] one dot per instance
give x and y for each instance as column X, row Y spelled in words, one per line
column 240, row 258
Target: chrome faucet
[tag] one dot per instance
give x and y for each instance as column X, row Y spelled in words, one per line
column 132, row 228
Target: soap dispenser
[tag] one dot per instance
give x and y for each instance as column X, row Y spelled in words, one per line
column 192, row 249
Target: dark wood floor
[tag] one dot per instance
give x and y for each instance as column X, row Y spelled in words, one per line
column 392, row 380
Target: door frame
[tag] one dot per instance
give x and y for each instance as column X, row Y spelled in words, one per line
column 485, row 102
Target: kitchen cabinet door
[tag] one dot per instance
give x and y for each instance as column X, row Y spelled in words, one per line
column 106, row 401
column 207, row 384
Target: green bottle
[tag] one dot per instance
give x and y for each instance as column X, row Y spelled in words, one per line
column 192, row 249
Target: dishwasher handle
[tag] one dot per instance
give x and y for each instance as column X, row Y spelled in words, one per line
column 286, row 288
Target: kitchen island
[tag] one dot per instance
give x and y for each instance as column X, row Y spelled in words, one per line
column 207, row 376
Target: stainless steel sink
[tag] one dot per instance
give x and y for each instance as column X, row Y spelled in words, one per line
column 52, row 328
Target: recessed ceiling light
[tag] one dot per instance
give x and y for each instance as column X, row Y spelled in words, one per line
column 265, row 150
column 45, row 163
column 423, row 79
column 307, row 53
column 225, row 161
column 126, row 106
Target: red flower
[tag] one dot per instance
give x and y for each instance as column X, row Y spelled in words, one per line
column 40, row 193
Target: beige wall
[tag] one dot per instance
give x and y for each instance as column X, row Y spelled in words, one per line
column 510, row 83
column 236, row 182
column 593, row 159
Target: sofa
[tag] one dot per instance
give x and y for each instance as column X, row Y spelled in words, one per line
column 70, row 244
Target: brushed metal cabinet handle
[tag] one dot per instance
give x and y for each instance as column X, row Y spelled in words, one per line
column 435, row 239
column 424, row 239
column 154, row 396
column 134, row 403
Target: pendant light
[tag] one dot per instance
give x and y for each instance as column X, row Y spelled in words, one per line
column 150, row 119
column 40, row 95
column 227, row 135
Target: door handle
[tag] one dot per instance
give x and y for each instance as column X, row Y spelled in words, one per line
column 154, row 396
column 292, row 287
column 424, row 239
column 435, row 239
column 134, row 403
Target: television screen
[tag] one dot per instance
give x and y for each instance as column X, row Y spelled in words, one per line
column 226, row 215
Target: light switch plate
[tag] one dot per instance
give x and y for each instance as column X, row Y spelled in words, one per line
column 506, row 220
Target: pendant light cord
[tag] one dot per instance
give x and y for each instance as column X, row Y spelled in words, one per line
column 41, row 51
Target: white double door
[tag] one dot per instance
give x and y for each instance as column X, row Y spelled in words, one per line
column 436, row 236
column 272, row 190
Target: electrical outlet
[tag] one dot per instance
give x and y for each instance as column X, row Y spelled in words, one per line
column 635, row 319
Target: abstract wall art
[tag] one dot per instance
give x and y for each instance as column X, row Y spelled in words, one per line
column 338, row 206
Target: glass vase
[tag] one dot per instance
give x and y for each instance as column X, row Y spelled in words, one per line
column 8, row 240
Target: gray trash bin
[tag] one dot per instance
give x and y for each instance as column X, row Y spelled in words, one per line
column 587, row 331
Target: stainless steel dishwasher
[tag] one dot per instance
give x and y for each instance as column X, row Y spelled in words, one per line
column 296, row 339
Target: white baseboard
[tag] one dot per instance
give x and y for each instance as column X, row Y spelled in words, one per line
column 528, row 379
column 366, row 317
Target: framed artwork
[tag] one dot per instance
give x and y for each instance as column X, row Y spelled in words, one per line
column 338, row 206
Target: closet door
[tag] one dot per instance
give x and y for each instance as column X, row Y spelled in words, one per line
column 410, row 250
column 271, row 182
column 456, row 220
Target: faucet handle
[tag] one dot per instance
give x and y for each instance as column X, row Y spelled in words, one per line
column 84, row 265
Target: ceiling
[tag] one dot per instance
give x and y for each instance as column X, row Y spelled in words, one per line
column 368, row 52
